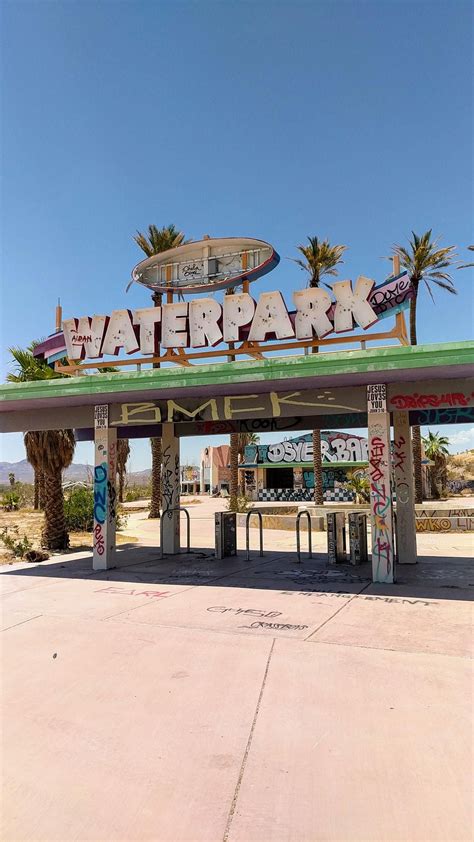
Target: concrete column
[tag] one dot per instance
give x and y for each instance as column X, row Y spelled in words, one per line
column 381, row 504
column 170, row 489
column 404, row 485
column 105, row 495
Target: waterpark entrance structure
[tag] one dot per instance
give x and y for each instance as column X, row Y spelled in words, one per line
column 393, row 386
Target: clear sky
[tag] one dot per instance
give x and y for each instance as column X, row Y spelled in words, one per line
column 351, row 120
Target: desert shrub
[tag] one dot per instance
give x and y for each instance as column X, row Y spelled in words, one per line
column 243, row 504
column 79, row 511
column 137, row 492
column 11, row 501
column 18, row 546
column 16, row 496
column 27, row 493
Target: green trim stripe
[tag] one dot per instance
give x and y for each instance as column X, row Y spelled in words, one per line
column 396, row 358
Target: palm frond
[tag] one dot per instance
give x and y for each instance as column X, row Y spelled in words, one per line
column 447, row 287
column 158, row 240
column 320, row 259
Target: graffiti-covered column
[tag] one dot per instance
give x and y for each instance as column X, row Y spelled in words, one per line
column 383, row 553
column 105, row 470
column 170, row 489
column 404, row 487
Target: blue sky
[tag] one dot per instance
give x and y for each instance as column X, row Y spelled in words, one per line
column 351, row 120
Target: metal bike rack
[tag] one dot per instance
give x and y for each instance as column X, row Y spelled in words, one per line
column 298, row 541
column 247, row 532
column 188, row 527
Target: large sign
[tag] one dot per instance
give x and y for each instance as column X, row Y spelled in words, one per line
column 205, row 322
column 335, row 447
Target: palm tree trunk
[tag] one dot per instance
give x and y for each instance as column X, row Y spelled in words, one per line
column 317, row 460
column 155, row 504
column 317, row 469
column 121, row 479
column 36, row 491
column 433, row 483
column 241, row 458
column 443, row 477
column 413, row 304
column 415, row 431
column 416, row 446
column 41, row 490
column 55, row 535
column 234, row 472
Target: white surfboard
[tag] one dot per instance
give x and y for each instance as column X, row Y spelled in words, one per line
column 206, row 265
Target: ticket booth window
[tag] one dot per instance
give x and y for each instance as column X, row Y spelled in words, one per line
column 279, row 478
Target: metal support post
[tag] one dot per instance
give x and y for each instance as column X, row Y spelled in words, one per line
column 247, row 532
column 298, row 541
column 188, row 529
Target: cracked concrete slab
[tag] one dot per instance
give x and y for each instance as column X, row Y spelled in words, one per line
column 355, row 744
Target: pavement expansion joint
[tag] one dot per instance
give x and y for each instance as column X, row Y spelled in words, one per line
column 247, row 747
column 341, row 608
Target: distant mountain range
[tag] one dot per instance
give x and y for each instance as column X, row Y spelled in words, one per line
column 75, row 473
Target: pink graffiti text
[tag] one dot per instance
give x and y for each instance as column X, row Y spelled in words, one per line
column 417, row 401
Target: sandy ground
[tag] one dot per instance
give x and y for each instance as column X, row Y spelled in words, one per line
column 196, row 700
column 30, row 523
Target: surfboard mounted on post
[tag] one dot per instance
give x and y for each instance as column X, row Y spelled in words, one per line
column 206, row 265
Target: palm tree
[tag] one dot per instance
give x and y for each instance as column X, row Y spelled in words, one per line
column 159, row 239
column 234, row 472
column 467, row 265
column 156, row 241
column 123, row 452
column 51, row 451
column 424, row 261
column 28, row 367
column 436, row 449
column 319, row 260
column 360, row 486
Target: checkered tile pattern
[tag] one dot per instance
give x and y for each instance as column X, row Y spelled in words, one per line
column 331, row 495
column 338, row 495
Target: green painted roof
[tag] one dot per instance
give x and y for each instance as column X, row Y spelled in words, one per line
column 453, row 357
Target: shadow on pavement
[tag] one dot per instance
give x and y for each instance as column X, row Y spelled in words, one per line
column 431, row 578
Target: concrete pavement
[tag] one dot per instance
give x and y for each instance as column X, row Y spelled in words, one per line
column 195, row 700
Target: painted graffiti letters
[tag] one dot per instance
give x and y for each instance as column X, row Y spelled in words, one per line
column 380, row 495
column 132, row 592
column 221, row 609
column 338, row 447
column 399, row 453
column 261, row 412
column 377, row 449
column 274, row 626
column 423, row 401
column 99, row 545
column 100, row 492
